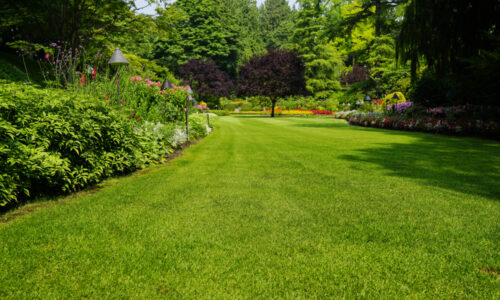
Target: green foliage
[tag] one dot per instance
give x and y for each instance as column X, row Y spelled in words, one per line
column 11, row 72
column 49, row 21
column 137, row 34
column 13, row 68
column 198, row 127
column 149, row 69
column 324, row 68
column 323, row 63
column 276, row 23
column 247, row 26
column 54, row 141
column 432, row 90
column 447, row 34
column 207, row 30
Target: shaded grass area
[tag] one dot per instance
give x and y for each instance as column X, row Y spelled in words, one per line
column 286, row 208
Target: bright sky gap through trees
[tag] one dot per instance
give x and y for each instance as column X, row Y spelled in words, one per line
column 150, row 10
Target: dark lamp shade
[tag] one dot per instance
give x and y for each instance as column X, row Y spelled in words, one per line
column 166, row 85
column 117, row 59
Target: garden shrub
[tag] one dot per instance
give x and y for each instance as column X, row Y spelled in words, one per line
column 232, row 106
column 54, row 141
column 248, row 106
column 198, row 127
column 149, row 69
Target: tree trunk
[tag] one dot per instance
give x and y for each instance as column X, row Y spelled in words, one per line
column 272, row 111
column 378, row 18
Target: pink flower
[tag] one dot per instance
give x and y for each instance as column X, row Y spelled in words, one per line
column 47, row 56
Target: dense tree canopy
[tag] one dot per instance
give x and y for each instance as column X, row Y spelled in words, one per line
column 64, row 20
column 207, row 30
column 276, row 23
column 450, row 44
column 457, row 39
column 276, row 74
column 206, row 80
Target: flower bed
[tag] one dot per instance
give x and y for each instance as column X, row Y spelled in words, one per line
column 286, row 112
column 427, row 124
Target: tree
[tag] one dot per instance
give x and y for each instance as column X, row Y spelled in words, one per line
column 276, row 74
column 72, row 21
column 245, row 17
column 206, row 80
column 206, row 31
column 276, row 23
column 451, row 37
column 323, row 63
column 381, row 11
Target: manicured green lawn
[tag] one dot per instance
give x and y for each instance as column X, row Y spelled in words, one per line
column 283, row 208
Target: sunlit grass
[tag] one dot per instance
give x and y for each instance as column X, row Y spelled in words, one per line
column 265, row 208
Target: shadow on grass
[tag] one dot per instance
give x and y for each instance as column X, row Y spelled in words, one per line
column 459, row 164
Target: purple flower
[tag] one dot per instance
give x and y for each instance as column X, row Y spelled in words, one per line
column 400, row 107
column 53, row 44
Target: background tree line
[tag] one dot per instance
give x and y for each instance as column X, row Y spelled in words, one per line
column 438, row 52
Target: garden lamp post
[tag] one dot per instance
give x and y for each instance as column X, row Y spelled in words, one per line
column 118, row 60
column 189, row 97
column 166, row 85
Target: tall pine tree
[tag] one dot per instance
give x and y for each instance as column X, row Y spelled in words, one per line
column 276, row 23
column 323, row 63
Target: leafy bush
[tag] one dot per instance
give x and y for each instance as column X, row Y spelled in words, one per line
column 54, row 141
column 149, row 69
column 198, row 127
column 248, row 106
column 231, row 106
column 142, row 97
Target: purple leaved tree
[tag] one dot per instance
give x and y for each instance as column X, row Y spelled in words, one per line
column 357, row 74
column 206, row 80
column 276, row 74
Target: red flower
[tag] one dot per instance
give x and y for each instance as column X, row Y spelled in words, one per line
column 82, row 80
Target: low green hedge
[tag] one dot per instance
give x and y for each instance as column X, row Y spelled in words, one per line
column 54, row 141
